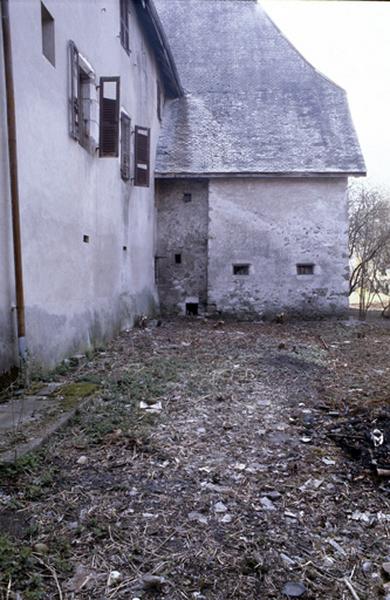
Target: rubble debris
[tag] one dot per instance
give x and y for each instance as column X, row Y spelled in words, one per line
column 294, row 589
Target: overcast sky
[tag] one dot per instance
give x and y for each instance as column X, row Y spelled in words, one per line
column 349, row 42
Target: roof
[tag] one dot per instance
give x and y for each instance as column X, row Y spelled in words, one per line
column 252, row 105
column 153, row 29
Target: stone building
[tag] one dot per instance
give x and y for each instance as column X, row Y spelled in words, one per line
column 249, row 146
column 252, row 168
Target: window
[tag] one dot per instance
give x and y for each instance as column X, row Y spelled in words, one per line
column 305, row 269
column 109, row 116
column 48, row 41
column 242, row 269
column 124, row 32
column 142, row 153
column 159, row 101
column 187, row 197
column 82, row 97
column 125, row 146
column 178, row 259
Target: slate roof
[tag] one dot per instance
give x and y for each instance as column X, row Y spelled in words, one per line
column 252, row 103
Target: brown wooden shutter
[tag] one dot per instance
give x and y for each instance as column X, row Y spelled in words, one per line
column 125, row 146
column 74, row 91
column 109, row 116
column 142, row 154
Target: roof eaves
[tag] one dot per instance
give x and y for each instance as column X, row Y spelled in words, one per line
column 258, row 174
column 153, row 29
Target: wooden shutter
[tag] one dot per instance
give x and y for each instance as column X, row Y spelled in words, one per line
column 109, row 116
column 142, row 154
column 125, row 146
column 74, row 91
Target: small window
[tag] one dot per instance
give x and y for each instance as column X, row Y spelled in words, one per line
column 124, row 25
column 125, row 146
column 142, row 153
column 159, row 101
column 305, row 269
column 241, row 269
column 109, row 116
column 81, row 97
column 48, row 40
column 178, row 259
column 187, row 197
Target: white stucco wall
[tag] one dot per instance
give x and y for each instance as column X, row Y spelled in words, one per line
column 80, row 293
column 7, row 339
column 273, row 224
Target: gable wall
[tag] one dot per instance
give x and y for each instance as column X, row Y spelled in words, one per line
column 77, row 293
column 273, row 224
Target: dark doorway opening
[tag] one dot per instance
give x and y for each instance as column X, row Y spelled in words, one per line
column 192, row 309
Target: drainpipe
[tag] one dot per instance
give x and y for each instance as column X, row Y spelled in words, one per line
column 13, row 168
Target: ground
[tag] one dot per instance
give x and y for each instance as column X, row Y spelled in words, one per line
column 214, row 461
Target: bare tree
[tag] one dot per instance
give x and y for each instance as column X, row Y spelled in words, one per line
column 369, row 245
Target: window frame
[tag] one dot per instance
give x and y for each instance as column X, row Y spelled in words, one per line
column 124, row 35
column 125, row 125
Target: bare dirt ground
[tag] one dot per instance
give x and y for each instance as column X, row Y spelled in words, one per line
column 216, row 461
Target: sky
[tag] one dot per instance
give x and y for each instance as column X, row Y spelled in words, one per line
column 349, row 42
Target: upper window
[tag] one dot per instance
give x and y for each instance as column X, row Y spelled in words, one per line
column 142, row 156
column 81, row 97
column 124, row 34
column 48, row 39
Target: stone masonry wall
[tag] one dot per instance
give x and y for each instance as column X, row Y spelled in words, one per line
column 271, row 226
column 182, row 230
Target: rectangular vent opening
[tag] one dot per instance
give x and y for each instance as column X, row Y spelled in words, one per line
column 187, row 197
column 305, row 269
column 178, row 259
column 242, row 269
column 86, row 239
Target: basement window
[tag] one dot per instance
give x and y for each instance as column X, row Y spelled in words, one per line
column 187, row 197
column 178, row 259
column 242, row 269
column 48, row 40
column 305, row 269
column 192, row 309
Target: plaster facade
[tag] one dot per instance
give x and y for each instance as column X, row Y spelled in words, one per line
column 265, row 230
column 181, row 261
column 273, row 225
column 79, row 293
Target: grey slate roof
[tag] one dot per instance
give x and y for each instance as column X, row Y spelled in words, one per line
column 252, row 103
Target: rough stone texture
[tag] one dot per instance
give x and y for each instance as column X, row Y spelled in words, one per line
column 7, row 342
column 182, row 229
column 253, row 104
column 77, row 293
column 273, row 224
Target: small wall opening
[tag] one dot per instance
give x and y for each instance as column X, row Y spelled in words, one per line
column 86, row 239
column 305, row 269
column 192, row 309
column 178, row 259
column 242, row 269
column 187, row 197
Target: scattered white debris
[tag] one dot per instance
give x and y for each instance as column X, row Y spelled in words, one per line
column 267, row 504
column 219, row 507
column 82, row 460
column 328, row 461
column 198, row 517
column 151, row 408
